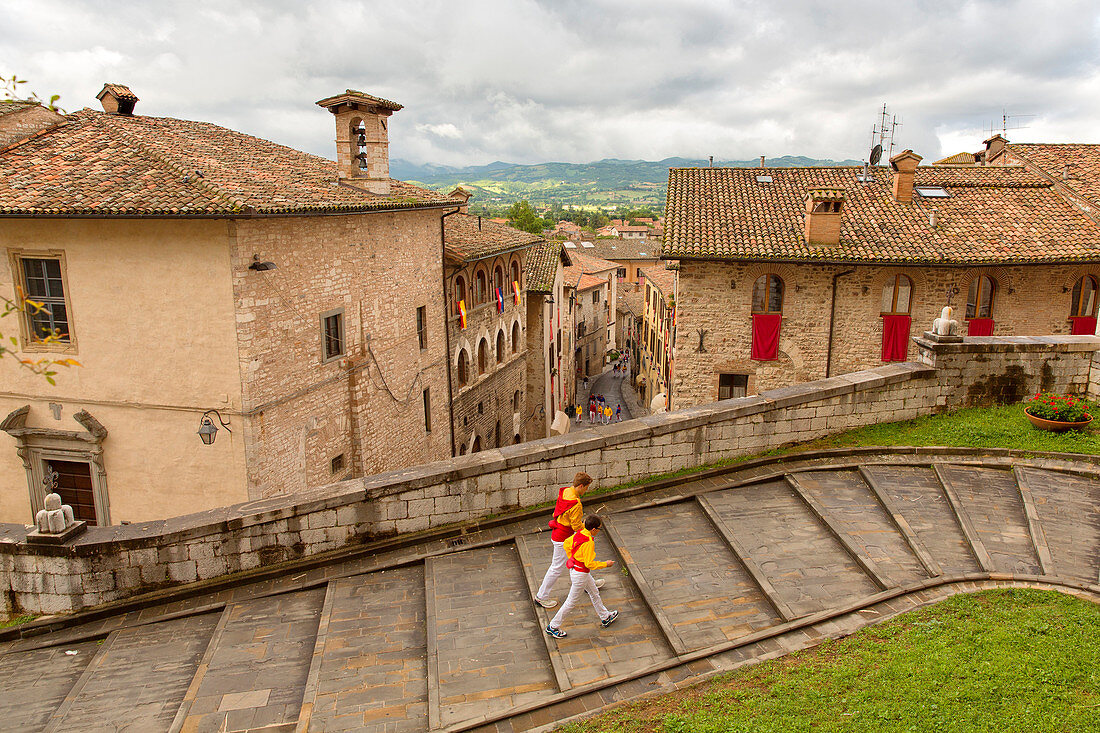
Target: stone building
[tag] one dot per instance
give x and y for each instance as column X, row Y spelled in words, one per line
column 551, row 371
column 658, row 335
column 590, row 284
column 205, row 277
column 628, row 328
column 484, row 264
column 630, row 254
column 794, row 274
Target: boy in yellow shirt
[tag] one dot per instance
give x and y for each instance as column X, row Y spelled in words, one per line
column 567, row 520
column 581, row 554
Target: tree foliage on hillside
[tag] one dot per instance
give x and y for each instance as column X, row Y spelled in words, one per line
column 523, row 217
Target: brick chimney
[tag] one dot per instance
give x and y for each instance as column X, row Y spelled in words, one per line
column 904, row 165
column 362, row 139
column 824, row 207
column 117, row 99
column 461, row 196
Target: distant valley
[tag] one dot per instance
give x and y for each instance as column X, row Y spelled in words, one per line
column 603, row 184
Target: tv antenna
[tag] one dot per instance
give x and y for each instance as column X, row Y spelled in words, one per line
column 882, row 135
column 1008, row 122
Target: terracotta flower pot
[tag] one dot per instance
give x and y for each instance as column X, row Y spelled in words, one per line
column 1056, row 426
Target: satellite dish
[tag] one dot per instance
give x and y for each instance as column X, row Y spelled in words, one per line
column 876, row 155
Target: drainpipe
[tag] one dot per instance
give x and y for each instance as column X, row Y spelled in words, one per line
column 447, row 332
column 832, row 317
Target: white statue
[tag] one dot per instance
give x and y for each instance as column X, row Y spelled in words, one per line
column 56, row 517
column 945, row 325
column 659, row 403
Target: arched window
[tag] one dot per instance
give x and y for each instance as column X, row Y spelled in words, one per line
column 979, row 301
column 515, row 401
column 462, row 450
column 482, row 356
column 463, row 368
column 498, row 280
column 897, row 295
column 515, row 337
column 500, row 346
column 476, row 448
column 517, row 440
column 767, row 294
column 481, row 287
column 1084, row 298
column 515, row 272
column 460, row 291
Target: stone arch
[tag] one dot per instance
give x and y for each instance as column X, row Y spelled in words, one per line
column 887, row 275
column 515, row 270
column 1002, row 277
column 501, row 349
column 517, row 333
column 483, row 363
column 789, row 275
column 1077, row 273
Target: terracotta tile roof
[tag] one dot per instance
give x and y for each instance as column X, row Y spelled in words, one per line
column 663, row 278
column 587, row 272
column 8, row 106
column 119, row 90
column 619, row 250
column 542, row 264
column 638, row 228
column 632, row 300
column 1083, row 159
column 354, row 96
column 467, row 238
column 993, row 214
column 958, row 159
column 96, row 164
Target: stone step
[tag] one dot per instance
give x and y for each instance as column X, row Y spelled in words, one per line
column 856, row 511
column 919, row 498
column 143, row 670
column 991, row 499
column 591, row 653
column 254, row 670
column 485, row 653
column 33, row 684
column 809, row 568
column 696, row 580
column 1068, row 509
column 369, row 670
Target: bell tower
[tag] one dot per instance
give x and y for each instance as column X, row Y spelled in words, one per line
column 362, row 139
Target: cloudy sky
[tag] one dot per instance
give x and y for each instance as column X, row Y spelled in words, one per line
column 578, row 80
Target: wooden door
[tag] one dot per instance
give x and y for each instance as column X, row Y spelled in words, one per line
column 74, row 485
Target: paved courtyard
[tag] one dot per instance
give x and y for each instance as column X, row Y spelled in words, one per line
column 712, row 572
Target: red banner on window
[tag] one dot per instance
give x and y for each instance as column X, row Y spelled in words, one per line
column 895, row 337
column 979, row 327
column 765, row 336
column 1083, row 325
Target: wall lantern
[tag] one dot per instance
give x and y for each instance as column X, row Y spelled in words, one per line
column 208, row 430
column 550, row 300
column 259, row 266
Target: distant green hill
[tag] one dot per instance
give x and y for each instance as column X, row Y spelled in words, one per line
column 604, row 183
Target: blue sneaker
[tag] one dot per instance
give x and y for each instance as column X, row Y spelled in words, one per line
column 557, row 633
column 607, row 621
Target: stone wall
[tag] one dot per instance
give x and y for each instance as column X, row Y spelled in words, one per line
column 108, row 563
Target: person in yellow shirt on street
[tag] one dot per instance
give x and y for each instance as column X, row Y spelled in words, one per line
column 568, row 519
column 581, row 553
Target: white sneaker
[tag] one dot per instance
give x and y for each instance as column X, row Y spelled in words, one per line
column 548, row 603
column 600, row 582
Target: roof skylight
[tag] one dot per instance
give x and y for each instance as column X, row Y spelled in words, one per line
column 932, row 192
column 588, row 245
column 570, row 245
column 763, row 179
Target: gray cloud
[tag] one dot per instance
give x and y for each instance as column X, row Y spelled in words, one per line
column 529, row 81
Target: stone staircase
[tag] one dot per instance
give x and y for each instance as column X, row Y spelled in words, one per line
column 712, row 573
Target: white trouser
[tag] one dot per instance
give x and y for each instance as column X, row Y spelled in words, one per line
column 557, row 565
column 581, row 582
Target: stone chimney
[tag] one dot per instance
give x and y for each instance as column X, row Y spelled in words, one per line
column 904, row 165
column 462, row 197
column 824, row 207
column 362, row 139
column 117, row 99
column 994, row 146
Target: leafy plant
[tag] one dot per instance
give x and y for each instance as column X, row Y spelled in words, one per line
column 10, row 89
column 1059, row 408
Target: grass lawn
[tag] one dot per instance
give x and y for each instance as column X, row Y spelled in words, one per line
column 1003, row 660
column 1003, row 426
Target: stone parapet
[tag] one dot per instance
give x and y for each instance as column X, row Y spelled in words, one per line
column 110, row 563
